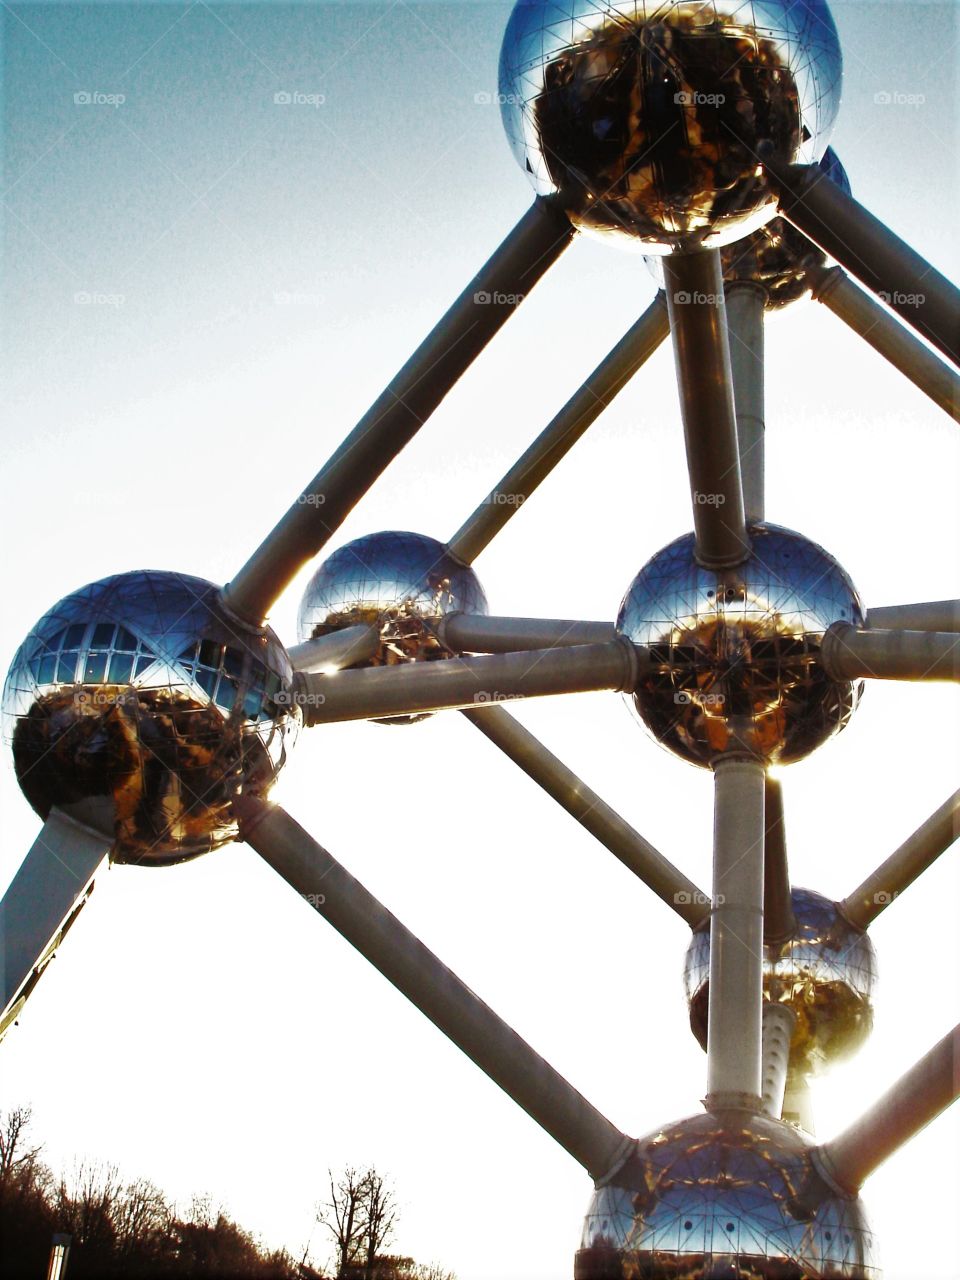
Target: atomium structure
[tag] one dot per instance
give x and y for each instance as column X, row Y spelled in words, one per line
column 149, row 714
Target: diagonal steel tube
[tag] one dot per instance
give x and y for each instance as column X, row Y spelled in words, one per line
column 918, row 1097
column 418, row 687
column 918, row 851
column 336, row 650
column 431, row 987
column 45, row 897
column 932, row 615
column 562, row 433
column 844, row 229
column 848, row 652
column 394, row 419
column 479, row 633
column 736, row 937
column 582, row 803
column 848, row 302
column 694, row 288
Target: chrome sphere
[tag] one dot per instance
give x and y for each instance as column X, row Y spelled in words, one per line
column 402, row 583
column 826, row 972
column 143, row 689
column 776, row 256
column 734, row 653
column 713, row 1197
column 645, row 118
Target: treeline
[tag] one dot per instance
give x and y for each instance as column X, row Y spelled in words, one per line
column 121, row 1229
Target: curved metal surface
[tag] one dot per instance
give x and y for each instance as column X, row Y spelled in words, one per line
column 734, row 654
column 713, row 1197
column 826, row 972
column 645, row 118
column 141, row 687
column 403, row 583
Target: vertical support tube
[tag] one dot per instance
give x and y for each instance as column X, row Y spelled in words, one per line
column 694, row 288
column 778, row 1023
column 745, row 304
column 797, row 1103
column 779, row 921
column 736, row 937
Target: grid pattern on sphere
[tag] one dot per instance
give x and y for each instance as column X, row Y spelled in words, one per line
column 141, row 688
column 705, row 1193
column 647, row 117
column 734, row 654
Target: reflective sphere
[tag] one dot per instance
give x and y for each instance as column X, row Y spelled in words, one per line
column 713, row 1198
column 142, row 688
column 734, row 653
column 401, row 582
column 773, row 256
column 645, row 118
column 826, row 973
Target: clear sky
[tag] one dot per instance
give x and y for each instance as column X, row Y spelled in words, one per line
column 259, row 271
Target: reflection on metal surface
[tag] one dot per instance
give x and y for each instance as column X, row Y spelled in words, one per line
column 142, row 688
column 404, row 583
column 734, row 653
column 776, row 256
column 826, row 973
column 714, row 1198
column 647, row 117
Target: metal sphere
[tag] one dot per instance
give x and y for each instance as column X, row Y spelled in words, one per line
column 142, row 688
column 402, row 583
column 713, row 1197
column 734, row 653
column 825, row 972
column 645, row 118
column 775, row 257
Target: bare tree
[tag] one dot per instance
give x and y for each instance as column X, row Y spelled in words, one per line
column 344, row 1216
column 432, row 1271
column 85, row 1207
column 142, row 1217
column 17, row 1156
column 380, row 1216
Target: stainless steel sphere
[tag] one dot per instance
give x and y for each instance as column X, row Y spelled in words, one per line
column 734, row 653
column 714, row 1198
column 826, row 972
column 141, row 688
column 776, row 256
column 645, row 117
column 402, row 583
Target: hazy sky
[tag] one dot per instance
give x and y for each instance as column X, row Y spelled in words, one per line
column 254, row 275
